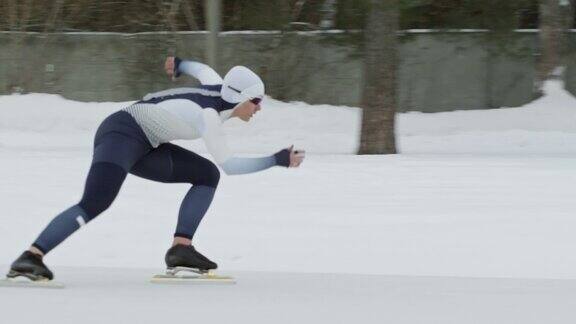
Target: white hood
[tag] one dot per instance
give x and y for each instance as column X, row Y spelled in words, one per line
column 241, row 84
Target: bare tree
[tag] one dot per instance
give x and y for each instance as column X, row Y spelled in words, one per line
column 12, row 14
column 52, row 21
column 188, row 11
column 297, row 9
column 328, row 12
column 380, row 93
column 553, row 22
column 168, row 10
column 17, row 15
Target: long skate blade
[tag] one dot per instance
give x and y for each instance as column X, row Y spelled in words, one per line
column 174, row 271
column 192, row 279
column 27, row 283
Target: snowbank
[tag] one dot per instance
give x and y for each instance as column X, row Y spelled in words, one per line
column 546, row 125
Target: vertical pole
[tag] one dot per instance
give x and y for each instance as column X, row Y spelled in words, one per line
column 213, row 16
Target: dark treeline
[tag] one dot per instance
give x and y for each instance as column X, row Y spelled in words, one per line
column 179, row 15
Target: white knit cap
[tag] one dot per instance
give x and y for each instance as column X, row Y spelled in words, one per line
column 241, row 84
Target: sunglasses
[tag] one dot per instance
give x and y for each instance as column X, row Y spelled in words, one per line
column 256, row 101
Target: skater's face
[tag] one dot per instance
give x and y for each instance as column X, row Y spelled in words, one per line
column 247, row 109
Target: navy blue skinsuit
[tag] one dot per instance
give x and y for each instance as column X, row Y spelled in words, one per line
column 121, row 147
column 136, row 140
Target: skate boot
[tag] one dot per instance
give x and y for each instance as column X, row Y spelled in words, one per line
column 30, row 265
column 186, row 256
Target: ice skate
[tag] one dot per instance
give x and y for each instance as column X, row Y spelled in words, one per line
column 29, row 270
column 186, row 265
column 186, row 256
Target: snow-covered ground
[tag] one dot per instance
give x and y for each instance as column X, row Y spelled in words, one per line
column 453, row 230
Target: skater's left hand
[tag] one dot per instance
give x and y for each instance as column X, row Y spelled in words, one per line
column 296, row 157
column 289, row 157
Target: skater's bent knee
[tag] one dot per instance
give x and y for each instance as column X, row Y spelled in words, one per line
column 210, row 177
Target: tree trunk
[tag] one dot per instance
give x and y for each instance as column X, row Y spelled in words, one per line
column 380, row 93
column 551, row 29
column 190, row 15
column 328, row 13
column 12, row 15
column 213, row 25
column 52, row 22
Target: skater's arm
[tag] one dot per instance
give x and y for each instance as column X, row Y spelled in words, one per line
column 175, row 66
column 232, row 165
column 287, row 158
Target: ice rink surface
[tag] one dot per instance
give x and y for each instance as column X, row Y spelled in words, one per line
column 108, row 295
column 473, row 223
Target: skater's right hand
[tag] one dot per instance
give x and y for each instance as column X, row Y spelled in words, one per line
column 169, row 66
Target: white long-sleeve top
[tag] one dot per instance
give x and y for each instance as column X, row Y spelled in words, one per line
column 193, row 113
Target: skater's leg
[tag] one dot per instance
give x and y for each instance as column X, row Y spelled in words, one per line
column 102, row 185
column 192, row 210
column 172, row 164
column 118, row 144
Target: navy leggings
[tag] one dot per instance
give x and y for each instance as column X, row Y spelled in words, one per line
column 121, row 147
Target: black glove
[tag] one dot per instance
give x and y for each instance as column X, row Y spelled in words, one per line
column 177, row 62
column 283, row 158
